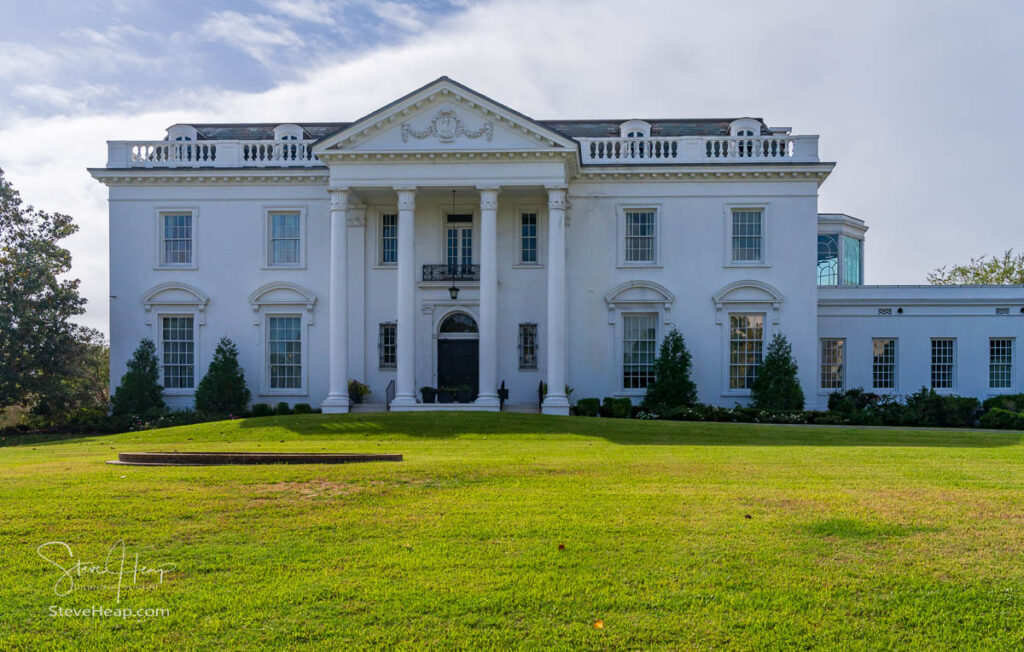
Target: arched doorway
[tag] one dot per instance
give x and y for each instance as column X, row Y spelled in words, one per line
column 458, row 352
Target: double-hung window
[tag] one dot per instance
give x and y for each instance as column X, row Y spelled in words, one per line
column 641, row 234
column 387, row 345
column 747, row 236
column 943, row 362
column 527, row 346
column 176, row 243
column 285, row 239
column 178, row 353
column 528, row 238
column 746, row 346
column 883, row 363
column 1000, row 363
column 389, row 239
column 284, row 340
column 832, row 363
column 639, row 343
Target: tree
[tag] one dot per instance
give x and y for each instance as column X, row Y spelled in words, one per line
column 37, row 340
column 84, row 391
column 776, row 386
column 671, row 387
column 994, row 270
column 140, row 392
column 223, row 387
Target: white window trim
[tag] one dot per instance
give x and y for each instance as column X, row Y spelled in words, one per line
column 765, row 208
column 288, row 129
column 620, row 235
column 270, row 209
column 768, row 329
column 517, row 253
column 158, row 221
column 996, row 391
column 284, row 311
column 378, row 238
column 460, row 209
column 198, row 370
column 629, row 126
column 380, row 367
column 620, row 332
column 895, row 389
column 956, row 366
column 536, row 348
column 825, row 391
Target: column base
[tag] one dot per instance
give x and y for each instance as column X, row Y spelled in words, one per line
column 555, row 404
column 491, row 400
column 335, row 404
column 403, row 399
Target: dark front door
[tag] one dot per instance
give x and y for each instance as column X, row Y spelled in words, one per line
column 458, row 363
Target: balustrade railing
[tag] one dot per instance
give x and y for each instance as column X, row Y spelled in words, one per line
column 699, row 149
column 451, row 272
column 211, row 153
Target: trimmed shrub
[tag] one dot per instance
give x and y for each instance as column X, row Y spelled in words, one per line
column 588, row 407
column 616, row 408
column 1008, row 402
column 223, row 387
column 929, row 409
column 262, row 410
column 672, row 386
column 1002, row 419
column 283, row 408
column 777, row 386
column 302, row 408
column 140, row 391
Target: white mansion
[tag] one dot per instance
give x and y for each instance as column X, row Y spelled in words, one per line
column 447, row 240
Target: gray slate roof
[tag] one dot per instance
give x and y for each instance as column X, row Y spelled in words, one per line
column 569, row 128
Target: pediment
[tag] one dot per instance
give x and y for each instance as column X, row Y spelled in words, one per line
column 443, row 116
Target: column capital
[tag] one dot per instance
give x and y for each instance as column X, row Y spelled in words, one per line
column 556, row 197
column 339, row 197
column 357, row 214
column 488, row 197
column 406, row 197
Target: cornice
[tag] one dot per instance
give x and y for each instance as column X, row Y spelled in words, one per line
column 419, row 156
column 710, row 172
column 248, row 176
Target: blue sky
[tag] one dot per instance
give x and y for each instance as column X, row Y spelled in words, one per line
column 919, row 101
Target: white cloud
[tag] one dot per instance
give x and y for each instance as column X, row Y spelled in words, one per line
column 900, row 113
column 311, row 11
column 400, row 14
column 259, row 36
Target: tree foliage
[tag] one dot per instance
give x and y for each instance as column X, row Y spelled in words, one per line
column 777, row 386
column 140, row 392
column 223, row 387
column 986, row 270
column 82, row 393
column 37, row 340
column 672, row 386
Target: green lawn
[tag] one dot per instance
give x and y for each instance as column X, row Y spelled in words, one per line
column 674, row 534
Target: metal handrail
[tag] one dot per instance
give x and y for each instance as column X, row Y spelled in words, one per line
column 389, row 395
column 451, row 272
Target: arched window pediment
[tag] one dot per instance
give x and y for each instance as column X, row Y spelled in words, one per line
column 748, row 292
column 175, row 294
column 281, row 293
column 639, row 295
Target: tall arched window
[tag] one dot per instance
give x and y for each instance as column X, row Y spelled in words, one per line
column 458, row 322
column 828, row 260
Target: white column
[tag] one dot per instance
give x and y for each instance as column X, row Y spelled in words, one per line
column 488, row 394
column 357, row 295
column 556, row 402
column 405, row 386
column 337, row 396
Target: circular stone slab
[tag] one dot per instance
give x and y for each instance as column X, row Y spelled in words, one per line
column 175, row 458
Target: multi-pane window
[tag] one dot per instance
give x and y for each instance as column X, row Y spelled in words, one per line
column 747, row 236
column 883, row 363
column 828, row 260
column 527, row 346
column 176, row 236
column 852, row 251
column 746, row 346
column 387, row 345
column 285, row 342
column 177, row 343
column 832, row 354
column 640, row 234
column 943, row 362
column 528, row 238
column 284, row 239
column 459, row 244
column 639, row 341
column 1000, row 363
column 388, row 239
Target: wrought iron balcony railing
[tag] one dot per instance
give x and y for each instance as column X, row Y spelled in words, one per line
column 451, row 272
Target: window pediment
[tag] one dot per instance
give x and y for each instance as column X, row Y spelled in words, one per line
column 748, row 292
column 175, row 294
column 281, row 293
column 639, row 294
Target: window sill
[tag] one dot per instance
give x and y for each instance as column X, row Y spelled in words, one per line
column 275, row 268
column 527, row 266
column 179, row 392
column 999, row 392
column 166, row 268
column 630, row 393
column 737, row 394
column 387, row 369
column 387, row 266
column 639, row 266
column 759, row 265
column 284, row 392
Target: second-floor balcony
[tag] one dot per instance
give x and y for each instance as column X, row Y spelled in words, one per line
column 698, row 149
column 451, row 272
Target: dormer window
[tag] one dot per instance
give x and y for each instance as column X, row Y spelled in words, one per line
column 182, row 133
column 745, row 127
column 635, row 129
column 288, row 132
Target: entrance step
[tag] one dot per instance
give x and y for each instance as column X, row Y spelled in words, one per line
column 526, row 408
column 367, row 407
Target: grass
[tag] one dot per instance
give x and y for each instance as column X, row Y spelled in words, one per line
column 524, row 531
